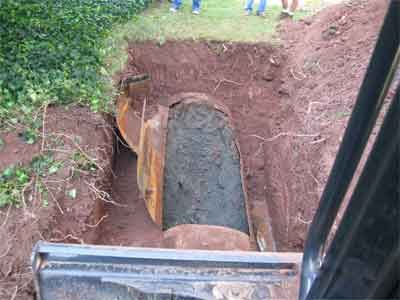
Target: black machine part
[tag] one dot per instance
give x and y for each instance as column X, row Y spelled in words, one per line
column 363, row 259
column 84, row 272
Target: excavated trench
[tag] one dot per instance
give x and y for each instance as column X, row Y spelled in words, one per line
column 128, row 221
column 247, row 80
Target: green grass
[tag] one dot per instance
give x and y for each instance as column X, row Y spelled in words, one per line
column 222, row 20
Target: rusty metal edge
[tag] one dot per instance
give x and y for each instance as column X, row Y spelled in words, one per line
column 164, row 115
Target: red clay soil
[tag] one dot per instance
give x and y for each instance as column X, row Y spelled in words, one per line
column 128, row 222
column 327, row 58
column 65, row 219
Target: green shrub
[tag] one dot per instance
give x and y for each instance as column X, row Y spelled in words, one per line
column 12, row 181
column 15, row 178
column 51, row 50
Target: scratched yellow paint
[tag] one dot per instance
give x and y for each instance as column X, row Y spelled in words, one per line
column 147, row 139
column 150, row 171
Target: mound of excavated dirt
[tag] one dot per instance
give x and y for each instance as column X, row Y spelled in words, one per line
column 71, row 134
column 327, row 58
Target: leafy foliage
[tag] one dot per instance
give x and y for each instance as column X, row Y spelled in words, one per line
column 51, row 50
column 44, row 165
column 12, row 181
column 15, row 178
column 83, row 163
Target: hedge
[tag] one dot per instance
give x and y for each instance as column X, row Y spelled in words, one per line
column 52, row 49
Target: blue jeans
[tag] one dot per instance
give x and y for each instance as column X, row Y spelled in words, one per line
column 195, row 6
column 261, row 5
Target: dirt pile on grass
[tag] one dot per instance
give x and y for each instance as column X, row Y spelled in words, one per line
column 327, row 57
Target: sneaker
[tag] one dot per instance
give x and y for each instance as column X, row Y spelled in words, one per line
column 196, row 12
column 247, row 12
column 261, row 14
column 173, row 10
column 284, row 14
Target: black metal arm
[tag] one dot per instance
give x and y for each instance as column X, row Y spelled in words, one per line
column 378, row 78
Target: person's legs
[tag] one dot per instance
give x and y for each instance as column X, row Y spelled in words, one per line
column 249, row 5
column 285, row 4
column 261, row 7
column 176, row 4
column 196, row 5
column 294, row 5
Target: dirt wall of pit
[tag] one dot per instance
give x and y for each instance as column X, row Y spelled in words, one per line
column 246, row 79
